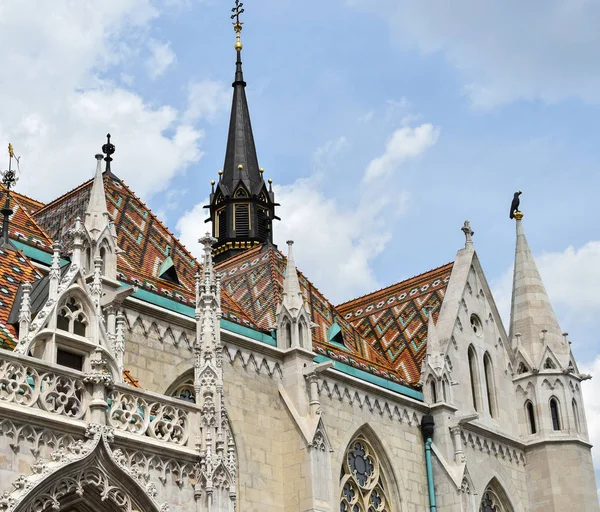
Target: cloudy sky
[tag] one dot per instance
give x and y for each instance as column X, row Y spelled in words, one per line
column 383, row 123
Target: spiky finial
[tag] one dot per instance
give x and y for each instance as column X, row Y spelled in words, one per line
column 108, row 149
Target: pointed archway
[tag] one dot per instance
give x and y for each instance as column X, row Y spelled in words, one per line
column 495, row 499
column 85, row 478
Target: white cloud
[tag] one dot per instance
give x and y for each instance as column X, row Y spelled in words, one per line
column 405, row 143
column 191, row 227
column 206, row 99
column 572, row 280
column 57, row 107
column 161, row 57
column 505, row 50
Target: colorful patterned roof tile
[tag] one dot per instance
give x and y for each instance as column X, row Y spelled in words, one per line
column 15, row 269
column 23, row 226
column 255, row 280
column 144, row 240
column 393, row 320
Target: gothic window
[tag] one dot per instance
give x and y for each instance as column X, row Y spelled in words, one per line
column 576, row 416
column 476, row 326
column 263, row 222
column 363, row 487
column 531, row 418
column 494, row 500
column 71, row 317
column 221, row 224
column 432, row 391
column 490, row 385
column 240, row 192
column 301, row 330
column 242, row 220
column 69, row 359
column 473, row 373
column 522, row 368
column 185, row 392
column 444, row 390
column 555, row 413
column 549, row 365
column 288, row 335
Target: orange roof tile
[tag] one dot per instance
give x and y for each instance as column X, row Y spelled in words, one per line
column 144, row 240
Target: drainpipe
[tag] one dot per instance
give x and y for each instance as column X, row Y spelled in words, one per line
column 427, row 427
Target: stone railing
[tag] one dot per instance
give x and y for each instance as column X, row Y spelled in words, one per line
column 26, row 382
column 148, row 414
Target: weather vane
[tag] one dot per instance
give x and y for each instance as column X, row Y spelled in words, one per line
column 237, row 24
column 9, row 177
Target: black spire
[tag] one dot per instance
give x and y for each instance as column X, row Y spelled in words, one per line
column 241, row 206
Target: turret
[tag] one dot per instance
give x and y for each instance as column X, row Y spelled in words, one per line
column 242, row 207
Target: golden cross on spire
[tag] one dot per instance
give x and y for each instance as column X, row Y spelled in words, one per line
column 237, row 24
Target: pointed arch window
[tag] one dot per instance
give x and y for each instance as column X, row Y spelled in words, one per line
column 576, row 416
column 555, row 413
column 444, row 390
column 531, row 417
column 363, row 486
column 490, row 385
column 288, row 334
column 221, row 224
column 72, row 318
column 495, row 499
column 432, row 391
column 474, row 374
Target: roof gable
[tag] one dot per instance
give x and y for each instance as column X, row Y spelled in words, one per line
column 144, row 242
column 394, row 320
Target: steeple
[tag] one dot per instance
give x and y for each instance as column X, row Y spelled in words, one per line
column 242, row 208
column 96, row 213
column 532, row 317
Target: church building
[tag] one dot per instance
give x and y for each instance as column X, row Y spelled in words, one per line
column 136, row 378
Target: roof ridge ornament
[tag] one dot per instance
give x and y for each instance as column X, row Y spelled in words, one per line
column 515, row 213
column 108, row 149
column 237, row 24
column 466, row 229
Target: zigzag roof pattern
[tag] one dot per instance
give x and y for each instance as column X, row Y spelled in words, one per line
column 144, row 240
column 23, row 226
column 254, row 279
column 394, row 319
column 15, row 269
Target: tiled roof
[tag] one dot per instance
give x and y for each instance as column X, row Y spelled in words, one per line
column 14, row 270
column 23, row 226
column 144, row 240
column 394, row 320
column 255, row 280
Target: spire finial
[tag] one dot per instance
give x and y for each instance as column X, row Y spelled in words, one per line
column 514, row 207
column 108, row 149
column 9, row 180
column 466, row 229
column 237, row 24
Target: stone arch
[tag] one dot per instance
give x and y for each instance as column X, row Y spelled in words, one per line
column 383, row 478
column 183, row 385
column 87, row 476
column 494, row 498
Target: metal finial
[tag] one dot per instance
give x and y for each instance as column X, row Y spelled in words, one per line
column 237, row 24
column 9, row 180
column 108, row 149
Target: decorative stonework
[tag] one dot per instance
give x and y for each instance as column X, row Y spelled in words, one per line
column 494, row 448
column 378, row 405
column 363, row 485
column 21, row 435
column 30, row 386
column 252, row 361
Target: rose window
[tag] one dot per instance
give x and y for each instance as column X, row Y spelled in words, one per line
column 362, row 487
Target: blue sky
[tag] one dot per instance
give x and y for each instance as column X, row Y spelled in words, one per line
column 384, row 124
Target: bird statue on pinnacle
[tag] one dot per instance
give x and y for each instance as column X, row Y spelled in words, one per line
column 514, row 207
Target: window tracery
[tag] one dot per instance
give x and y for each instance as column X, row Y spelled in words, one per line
column 71, row 317
column 491, row 502
column 362, row 484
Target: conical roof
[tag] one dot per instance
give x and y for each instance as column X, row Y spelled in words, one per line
column 531, row 311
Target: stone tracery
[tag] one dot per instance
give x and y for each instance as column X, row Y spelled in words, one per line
column 363, row 487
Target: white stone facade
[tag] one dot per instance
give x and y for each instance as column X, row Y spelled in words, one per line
column 226, row 423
